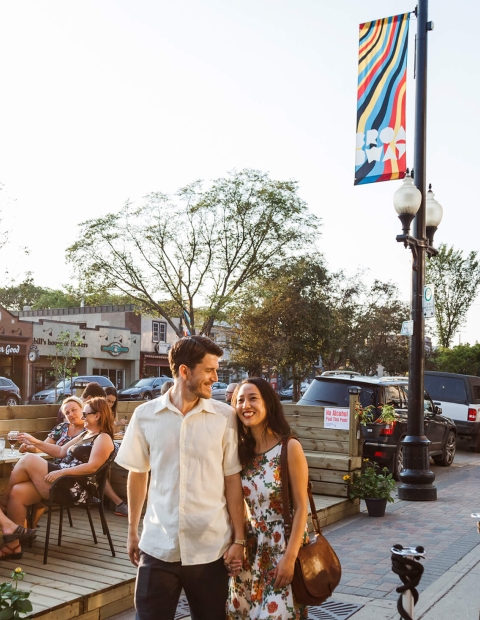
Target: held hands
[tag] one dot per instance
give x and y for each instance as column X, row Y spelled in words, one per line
column 284, row 572
column 233, row 559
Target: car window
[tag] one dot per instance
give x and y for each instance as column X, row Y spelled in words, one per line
column 3, row 382
column 427, row 401
column 327, row 392
column 450, row 389
column 476, row 393
column 392, row 396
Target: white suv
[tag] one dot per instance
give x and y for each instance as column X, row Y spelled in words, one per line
column 459, row 398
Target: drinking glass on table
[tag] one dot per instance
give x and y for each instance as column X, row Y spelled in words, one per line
column 2, row 446
column 12, row 439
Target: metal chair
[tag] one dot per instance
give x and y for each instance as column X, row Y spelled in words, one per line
column 56, row 499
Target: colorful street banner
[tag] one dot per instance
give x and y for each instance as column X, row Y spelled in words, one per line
column 382, row 79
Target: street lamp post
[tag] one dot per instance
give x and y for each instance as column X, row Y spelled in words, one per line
column 412, row 203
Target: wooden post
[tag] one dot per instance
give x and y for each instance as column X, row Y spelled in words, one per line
column 355, row 446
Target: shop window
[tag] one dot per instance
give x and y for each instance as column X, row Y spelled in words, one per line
column 159, row 331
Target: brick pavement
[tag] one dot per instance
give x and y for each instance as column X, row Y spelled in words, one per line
column 444, row 528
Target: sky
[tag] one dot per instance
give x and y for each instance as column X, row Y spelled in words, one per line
column 104, row 101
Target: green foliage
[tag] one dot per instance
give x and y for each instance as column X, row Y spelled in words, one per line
column 371, row 482
column 13, row 602
column 197, row 250
column 364, row 326
column 281, row 321
column 463, row 359
column 16, row 296
column 27, row 293
column 67, row 354
column 457, row 280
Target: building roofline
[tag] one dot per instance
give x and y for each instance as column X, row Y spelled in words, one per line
column 78, row 310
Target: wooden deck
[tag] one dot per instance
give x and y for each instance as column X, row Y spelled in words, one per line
column 81, row 580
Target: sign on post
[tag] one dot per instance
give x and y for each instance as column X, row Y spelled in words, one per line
column 428, row 302
column 337, row 417
column 407, row 328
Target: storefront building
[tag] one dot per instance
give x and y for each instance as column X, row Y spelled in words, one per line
column 15, row 341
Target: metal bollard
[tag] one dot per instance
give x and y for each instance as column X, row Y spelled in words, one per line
column 405, row 564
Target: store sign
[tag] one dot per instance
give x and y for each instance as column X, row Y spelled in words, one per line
column 12, row 349
column 115, row 349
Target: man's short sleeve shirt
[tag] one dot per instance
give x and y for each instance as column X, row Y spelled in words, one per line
column 188, row 456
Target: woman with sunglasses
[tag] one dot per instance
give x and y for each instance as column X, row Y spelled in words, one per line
column 32, row 477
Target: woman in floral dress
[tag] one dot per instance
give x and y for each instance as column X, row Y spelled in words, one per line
column 261, row 588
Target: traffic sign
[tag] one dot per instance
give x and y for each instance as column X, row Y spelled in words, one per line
column 407, row 328
column 428, row 301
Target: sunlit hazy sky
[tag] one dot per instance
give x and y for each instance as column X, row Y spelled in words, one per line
column 108, row 100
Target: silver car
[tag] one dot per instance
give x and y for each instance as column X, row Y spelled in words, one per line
column 218, row 390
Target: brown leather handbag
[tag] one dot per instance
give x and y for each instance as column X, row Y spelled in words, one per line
column 317, row 567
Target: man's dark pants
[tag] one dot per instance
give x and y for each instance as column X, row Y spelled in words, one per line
column 159, row 584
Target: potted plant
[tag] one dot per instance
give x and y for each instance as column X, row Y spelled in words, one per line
column 371, row 425
column 374, row 485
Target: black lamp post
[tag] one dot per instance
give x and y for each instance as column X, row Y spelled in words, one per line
column 412, row 203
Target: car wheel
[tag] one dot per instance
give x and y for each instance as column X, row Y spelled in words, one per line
column 11, row 401
column 147, row 396
column 449, row 449
column 397, row 464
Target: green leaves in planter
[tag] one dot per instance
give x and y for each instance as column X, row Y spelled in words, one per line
column 371, row 482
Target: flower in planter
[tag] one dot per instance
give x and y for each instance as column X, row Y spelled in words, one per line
column 372, row 482
column 13, row 602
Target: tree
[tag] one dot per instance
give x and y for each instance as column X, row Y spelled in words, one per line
column 282, row 319
column 463, row 359
column 16, row 296
column 364, row 327
column 191, row 256
column 457, row 280
column 66, row 355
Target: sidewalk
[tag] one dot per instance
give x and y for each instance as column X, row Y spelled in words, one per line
column 448, row 587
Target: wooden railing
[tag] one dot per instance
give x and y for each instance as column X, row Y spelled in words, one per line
column 331, row 453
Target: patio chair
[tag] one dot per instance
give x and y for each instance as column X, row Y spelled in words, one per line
column 56, row 499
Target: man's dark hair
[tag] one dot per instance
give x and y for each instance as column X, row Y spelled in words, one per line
column 92, row 390
column 191, row 351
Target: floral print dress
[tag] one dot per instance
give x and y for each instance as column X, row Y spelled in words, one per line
column 252, row 594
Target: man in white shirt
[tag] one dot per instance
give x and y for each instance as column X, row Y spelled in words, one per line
column 193, row 527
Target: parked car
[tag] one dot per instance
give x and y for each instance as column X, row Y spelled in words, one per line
column 459, row 398
column 386, row 449
column 143, row 389
column 287, row 393
column 218, row 390
column 9, row 392
column 67, row 387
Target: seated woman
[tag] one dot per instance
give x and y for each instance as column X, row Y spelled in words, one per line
column 32, row 476
column 72, row 410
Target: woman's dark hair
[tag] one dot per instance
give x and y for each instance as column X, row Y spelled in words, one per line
column 111, row 391
column 92, row 389
column 276, row 421
column 190, row 352
column 98, row 404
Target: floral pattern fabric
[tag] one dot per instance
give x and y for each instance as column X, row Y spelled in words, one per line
column 86, row 490
column 252, row 594
column 60, row 436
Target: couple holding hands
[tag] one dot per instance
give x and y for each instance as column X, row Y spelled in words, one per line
column 214, row 520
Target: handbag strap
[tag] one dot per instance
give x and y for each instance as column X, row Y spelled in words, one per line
column 287, row 517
